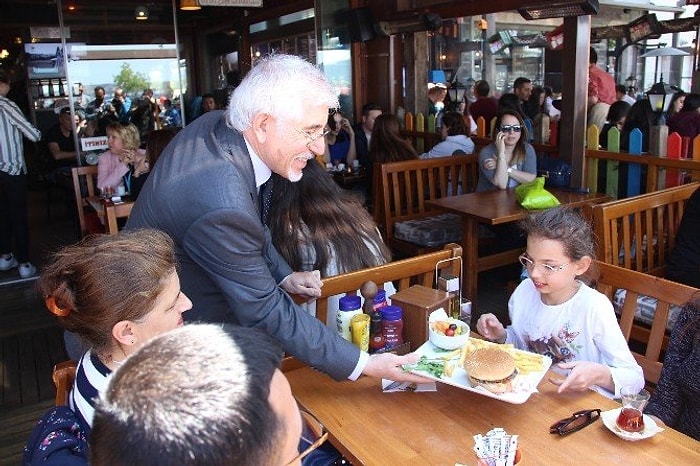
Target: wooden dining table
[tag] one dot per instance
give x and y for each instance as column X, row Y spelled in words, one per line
column 495, row 207
column 371, row 427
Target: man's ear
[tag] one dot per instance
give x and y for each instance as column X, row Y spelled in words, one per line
column 262, row 125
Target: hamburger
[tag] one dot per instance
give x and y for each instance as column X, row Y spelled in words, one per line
column 491, row 368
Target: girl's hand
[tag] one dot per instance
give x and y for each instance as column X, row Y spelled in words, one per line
column 583, row 375
column 491, row 328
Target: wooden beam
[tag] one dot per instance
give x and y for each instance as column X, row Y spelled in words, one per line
column 575, row 94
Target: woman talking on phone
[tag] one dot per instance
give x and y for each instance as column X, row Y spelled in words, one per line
column 340, row 139
column 509, row 160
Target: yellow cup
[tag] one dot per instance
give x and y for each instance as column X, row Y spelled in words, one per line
column 359, row 325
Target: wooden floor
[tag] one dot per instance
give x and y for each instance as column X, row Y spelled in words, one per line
column 31, row 341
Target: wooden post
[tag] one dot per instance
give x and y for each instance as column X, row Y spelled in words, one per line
column 673, row 151
column 612, row 173
column 592, row 138
column 634, row 170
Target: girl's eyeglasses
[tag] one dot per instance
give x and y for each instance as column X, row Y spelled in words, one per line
column 577, row 421
column 529, row 264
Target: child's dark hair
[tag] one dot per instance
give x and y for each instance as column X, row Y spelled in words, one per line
column 567, row 226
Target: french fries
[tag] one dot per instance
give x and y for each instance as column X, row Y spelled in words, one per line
column 524, row 361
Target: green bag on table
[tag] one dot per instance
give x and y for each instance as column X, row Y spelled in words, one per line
column 533, row 196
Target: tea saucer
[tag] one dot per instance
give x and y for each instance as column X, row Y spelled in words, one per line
column 650, row 427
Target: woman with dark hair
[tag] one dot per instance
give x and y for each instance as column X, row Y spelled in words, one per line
column 510, row 159
column 455, row 136
column 387, row 143
column 340, row 140
column 687, row 121
column 157, row 140
column 676, row 104
column 316, row 225
column 616, row 118
column 641, row 116
column 535, row 104
column 676, row 400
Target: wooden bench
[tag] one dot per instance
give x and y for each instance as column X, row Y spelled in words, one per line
column 419, row 270
column 667, row 293
column 402, row 189
column 639, row 232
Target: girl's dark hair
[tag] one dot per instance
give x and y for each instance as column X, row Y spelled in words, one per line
column 640, row 115
column 317, row 213
column 510, row 102
column 156, row 142
column 618, row 110
column 105, row 279
column 454, row 122
column 567, row 226
column 520, row 149
column 387, row 143
column 691, row 102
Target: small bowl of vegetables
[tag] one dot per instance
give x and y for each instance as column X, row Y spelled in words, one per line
column 448, row 333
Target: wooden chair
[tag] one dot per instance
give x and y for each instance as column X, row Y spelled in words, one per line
column 115, row 211
column 667, row 293
column 639, row 232
column 84, row 185
column 418, row 270
column 63, row 377
column 402, row 190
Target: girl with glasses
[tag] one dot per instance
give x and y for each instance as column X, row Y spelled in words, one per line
column 555, row 313
column 509, row 160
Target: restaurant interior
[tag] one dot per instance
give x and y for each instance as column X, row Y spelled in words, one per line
column 387, row 52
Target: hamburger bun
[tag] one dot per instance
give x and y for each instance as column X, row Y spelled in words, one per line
column 491, row 368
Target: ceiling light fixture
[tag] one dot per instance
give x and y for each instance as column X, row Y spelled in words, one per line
column 141, row 13
column 189, row 5
column 560, row 9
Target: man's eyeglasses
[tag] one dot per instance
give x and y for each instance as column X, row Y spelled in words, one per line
column 511, row 128
column 577, row 421
column 311, row 423
column 312, row 137
column 529, row 264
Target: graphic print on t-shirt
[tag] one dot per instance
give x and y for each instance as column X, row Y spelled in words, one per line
column 560, row 346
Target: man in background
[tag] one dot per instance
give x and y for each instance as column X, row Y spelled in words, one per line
column 601, row 92
column 484, row 106
column 363, row 131
column 522, row 87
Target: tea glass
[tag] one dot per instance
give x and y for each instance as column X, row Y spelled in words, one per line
column 630, row 418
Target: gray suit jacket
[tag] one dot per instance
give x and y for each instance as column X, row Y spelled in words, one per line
column 202, row 193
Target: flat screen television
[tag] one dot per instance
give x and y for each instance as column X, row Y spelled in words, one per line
column 45, row 60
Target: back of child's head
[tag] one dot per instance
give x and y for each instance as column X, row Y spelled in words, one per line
column 565, row 225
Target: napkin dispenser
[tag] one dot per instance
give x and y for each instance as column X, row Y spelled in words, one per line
column 417, row 302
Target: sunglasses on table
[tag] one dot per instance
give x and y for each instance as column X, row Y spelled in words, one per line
column 576, row 422
column 510, row 128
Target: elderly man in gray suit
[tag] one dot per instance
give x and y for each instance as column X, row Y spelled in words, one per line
column 204, row 193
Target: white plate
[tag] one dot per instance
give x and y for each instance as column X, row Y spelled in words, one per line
column 524, row 384
column 650, row 427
